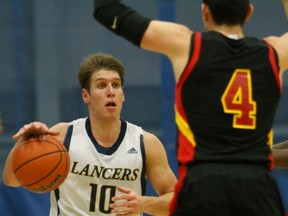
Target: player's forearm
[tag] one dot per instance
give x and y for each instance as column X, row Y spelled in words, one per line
column 280, row 158
column 157, row 205
column 282, row 145
column 8, row 174
column 280, row 154
column 121, row 19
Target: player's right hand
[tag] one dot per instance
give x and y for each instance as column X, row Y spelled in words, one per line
column 34, row 129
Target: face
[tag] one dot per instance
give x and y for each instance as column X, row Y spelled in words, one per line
column 106, row 95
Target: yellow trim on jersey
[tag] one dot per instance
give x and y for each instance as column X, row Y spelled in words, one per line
column 270, row 138
column 184, row 128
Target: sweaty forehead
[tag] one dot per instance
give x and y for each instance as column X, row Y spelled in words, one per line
column 106, row 75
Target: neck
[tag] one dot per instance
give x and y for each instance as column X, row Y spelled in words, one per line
column 234, row 32
column 106, row 133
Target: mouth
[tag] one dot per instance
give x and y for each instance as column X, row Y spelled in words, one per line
column 111, row 104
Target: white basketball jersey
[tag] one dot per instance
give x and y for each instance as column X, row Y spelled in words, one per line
column 96, row 170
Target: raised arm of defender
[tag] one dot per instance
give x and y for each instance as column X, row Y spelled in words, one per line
column 167, row 38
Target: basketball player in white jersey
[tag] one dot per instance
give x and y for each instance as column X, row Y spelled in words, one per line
column 110, row 158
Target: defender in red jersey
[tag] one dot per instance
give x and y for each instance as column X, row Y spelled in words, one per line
column 227, row 90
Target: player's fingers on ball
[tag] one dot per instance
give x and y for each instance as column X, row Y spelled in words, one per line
column 15, row 136
column 39, row 125
column 25, row 127
column 22, row 131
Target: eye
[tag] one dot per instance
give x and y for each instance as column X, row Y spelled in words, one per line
column 116, row 85
column 101, row 85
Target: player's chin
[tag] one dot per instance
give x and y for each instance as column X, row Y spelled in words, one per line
column 111, row 115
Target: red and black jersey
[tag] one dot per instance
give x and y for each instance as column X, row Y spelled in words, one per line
column 226, row 100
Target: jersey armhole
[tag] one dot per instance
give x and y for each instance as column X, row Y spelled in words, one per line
column 68, row 136
column 273, row 59
column 194, row 54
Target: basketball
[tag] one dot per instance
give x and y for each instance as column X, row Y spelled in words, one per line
column 41, row 164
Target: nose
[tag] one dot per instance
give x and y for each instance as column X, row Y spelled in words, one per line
column 110, row 91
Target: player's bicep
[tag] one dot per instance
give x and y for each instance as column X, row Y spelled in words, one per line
column 158, row 170
column 280, row 44
column 165, row 37
column 284, row 45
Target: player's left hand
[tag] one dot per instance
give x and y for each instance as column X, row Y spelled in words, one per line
column 128, row 203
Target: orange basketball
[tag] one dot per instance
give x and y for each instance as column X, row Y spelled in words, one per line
column 41, row 164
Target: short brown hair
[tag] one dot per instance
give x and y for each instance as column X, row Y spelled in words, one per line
column 95, row 62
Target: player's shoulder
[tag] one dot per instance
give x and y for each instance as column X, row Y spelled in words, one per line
column 151, row 140
column 65, row 125
column 132, row 128
column 280, row 44
column 60, row 126
column 62, row 129
column 277, row 40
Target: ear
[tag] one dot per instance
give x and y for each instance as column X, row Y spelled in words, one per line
column 205, row 12
column 249, row 12
column 123, row 96
column 85, row 96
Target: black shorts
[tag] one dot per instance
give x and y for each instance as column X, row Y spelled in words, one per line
column 213, row 189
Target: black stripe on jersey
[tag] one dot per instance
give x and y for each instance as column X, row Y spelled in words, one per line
column 68, row 136
column 143, row 174
column 106, row 150
column 57, row 195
